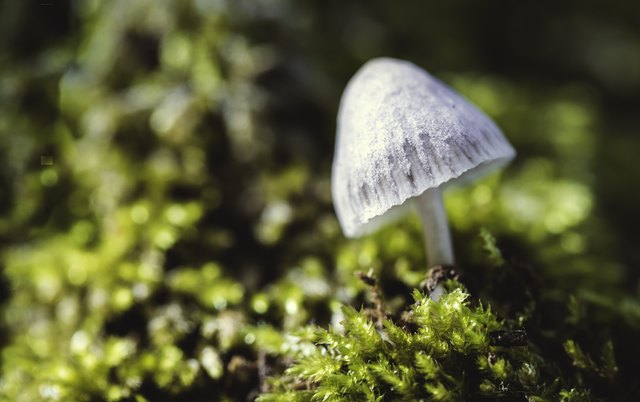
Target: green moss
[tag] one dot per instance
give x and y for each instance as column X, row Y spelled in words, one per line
column 442, row 352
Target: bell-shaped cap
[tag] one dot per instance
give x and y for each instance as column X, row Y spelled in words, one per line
column 401, row 132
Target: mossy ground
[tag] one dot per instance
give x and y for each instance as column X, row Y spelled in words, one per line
column 167, row 232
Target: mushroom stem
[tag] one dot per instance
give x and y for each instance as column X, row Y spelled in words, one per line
column 436, row 229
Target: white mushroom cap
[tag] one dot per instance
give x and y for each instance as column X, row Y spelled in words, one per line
column 401, row 132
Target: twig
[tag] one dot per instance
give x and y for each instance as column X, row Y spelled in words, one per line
column 437, row 275
column 262, row 371
column 370, row 280
column 517, row 337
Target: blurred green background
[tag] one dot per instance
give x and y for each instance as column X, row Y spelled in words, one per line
column 185, row 211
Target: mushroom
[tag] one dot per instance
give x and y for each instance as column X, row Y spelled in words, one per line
column 402, row 137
